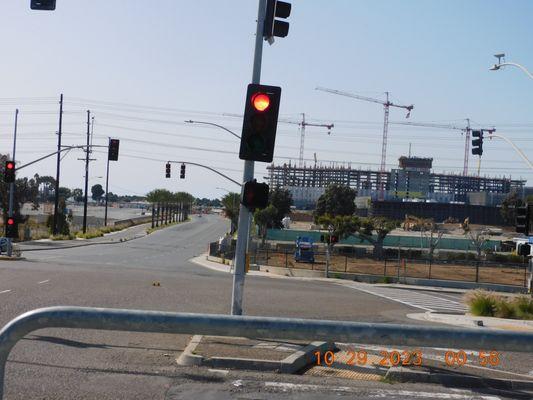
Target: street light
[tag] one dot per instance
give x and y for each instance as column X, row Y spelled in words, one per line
column 500, row 64
column 212, row 124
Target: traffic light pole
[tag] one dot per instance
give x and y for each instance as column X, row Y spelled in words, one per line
column 12, row 186
column 248, row 175
column 86, row 173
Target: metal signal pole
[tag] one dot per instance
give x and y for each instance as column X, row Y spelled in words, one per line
column 12, row 185
column 86, row 172
column 248, row 174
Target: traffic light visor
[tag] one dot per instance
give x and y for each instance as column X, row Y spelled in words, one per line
column 260, row 101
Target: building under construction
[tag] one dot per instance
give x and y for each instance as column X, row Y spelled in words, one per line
column 412, row 179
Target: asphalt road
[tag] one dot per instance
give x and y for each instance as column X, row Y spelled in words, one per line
column 73, row 364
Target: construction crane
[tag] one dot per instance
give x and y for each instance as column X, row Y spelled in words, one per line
column 302, row 126
column 386, row 105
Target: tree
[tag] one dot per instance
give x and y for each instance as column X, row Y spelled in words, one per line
column 382, row 226
column 112, row 197
column 183, row 197
column 64, row 193
column 62, row 222
column 159, row 196
column 281, row 199
column 264, row 219
column 78, row 195
column 478, row 238
column 336, row 200
column 231, row 203
column 97, row 191
column 508, row 208
column 340, row 226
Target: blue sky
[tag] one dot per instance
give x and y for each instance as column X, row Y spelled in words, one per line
column 181, row 60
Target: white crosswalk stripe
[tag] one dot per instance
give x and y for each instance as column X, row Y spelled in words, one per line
column 413, row 298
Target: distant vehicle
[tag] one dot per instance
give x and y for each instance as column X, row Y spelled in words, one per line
column 304, row 250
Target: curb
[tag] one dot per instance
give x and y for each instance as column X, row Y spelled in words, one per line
column 121, row 240
column 402, row 374
column 289, row 365
column 6, row 258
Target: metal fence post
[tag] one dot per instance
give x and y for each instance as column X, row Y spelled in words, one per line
column 286, row 259
column 429, row 274
column 153, row 215
column 385, row 267
column 345, row 263
column 266, row 263
column 477, row 271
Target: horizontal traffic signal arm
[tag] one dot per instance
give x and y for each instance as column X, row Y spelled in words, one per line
column 206, row 167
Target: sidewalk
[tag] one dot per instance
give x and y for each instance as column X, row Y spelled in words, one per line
column 124, row 235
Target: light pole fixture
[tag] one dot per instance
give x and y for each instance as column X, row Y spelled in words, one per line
column 502, row 63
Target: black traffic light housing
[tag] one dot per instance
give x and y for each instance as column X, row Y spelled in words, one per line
column 260, row 122
column 523, row 215
column 9, row 172
column 182, row 171
column 167, row 170
column 112, row 153
column 273, row 27
column 48, row 5
column 477, row 144
column 255, row 195
column 12, row 230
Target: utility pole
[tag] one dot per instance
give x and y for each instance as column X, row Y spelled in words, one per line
column 56, row 199
column 467, row 147
column 86, row 172
column 248, row 175
column 107, row 185
column 12, row 185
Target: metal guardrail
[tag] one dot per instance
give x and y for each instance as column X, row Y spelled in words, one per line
column 254, row 327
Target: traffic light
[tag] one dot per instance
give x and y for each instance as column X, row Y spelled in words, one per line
column 260, row 122
column 11, row 228
column 167, row 170
column 273, row 27
column 182, row 172
column 255, row 195
column 112, row 153
column 334, row 239
column 477, row 144
column 9, row 172
column 522, row 220
column 523, row 249
column 48, row 5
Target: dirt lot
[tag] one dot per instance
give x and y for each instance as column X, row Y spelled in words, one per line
column 507, row 275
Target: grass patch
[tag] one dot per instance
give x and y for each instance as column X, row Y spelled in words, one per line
column 156, row 228
column 488, row 304
column 62, row 237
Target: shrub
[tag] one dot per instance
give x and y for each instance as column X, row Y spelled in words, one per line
column 504, row 309
column 523, row 307
column 481, row 302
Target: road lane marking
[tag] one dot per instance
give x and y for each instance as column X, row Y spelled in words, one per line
column 48, row 280
column 5, row 291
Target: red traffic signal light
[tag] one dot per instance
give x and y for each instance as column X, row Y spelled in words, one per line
column 11, row 228
column 260, row 122
column 260, row 101
column 255, row 195
column 9, row 172
column 113, row 149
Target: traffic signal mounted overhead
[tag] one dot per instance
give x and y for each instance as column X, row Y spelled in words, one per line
column 522, row 219
column 273, row 27
column 112, row 153
column 167, row 170
column 12, row 228
column 255, row 195
column 182, row 172
column 48, row 5
column 9, row 172
column 477, row 144
column 260, row 122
